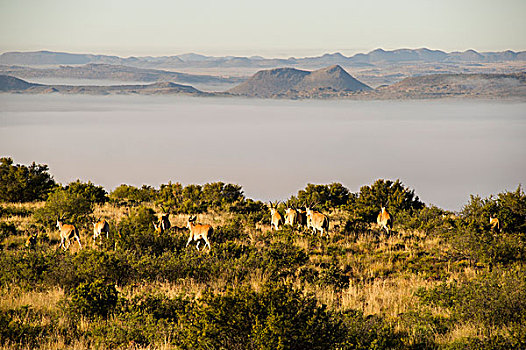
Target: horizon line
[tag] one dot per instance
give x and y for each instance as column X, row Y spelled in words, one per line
column 328, row 52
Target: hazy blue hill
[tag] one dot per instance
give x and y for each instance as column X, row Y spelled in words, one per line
column 8, row 83
column 113, row 72
column 375, row 57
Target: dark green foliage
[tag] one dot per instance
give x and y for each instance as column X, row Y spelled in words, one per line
column 278, row 317
column 88, row 265
column 508, row 207
column 372, row 332
column 494, row 298
column 136, row 233
column 195, row 199
column 131, row 194
column 334, row 276
column 94, row 194
column 325, row 197
column 393, row 195
column 96, row 298
column 27, row 269
column 73, row 208
column 7, row 230
column 20, row 183
column 15, row 331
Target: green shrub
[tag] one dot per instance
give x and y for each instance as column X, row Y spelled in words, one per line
column 393, row 195
column 129, row 193
column 73, row 208
column 6, row 230
column 325, row 197
column 96, row 298
column 19, row 183
column 94, row 194
column 278, row 317
column 496, row 298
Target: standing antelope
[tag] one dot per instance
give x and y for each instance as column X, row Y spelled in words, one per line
column 163, row 222
column 317, row 221
column 494, row 222
column 291, row 217
column 275, row 217
column 99, row 227
column 31, row 240
column 302, row 218
column 198, row 232
column 67, row 232
column 384, row 220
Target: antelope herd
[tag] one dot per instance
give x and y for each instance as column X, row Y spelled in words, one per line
column 294, row 217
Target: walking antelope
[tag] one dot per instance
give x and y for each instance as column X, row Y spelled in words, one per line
column 317, row 221
column 100, row 226
column 198, row 232
column 291, row 217
column 275, row 217
column 384, row 220
column 494, row 222
column 67, row 232
column 163, row 222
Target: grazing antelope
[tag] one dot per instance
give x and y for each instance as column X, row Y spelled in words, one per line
column 163, row 222
column 100, row 226
column 31, row 240
column 275, row 217
column 384, row 220
column 67, row 232
column 291, row 217
column 317, row 221
column 494, row 222
column 198, row 232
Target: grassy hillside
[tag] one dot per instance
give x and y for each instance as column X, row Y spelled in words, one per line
column 438, row 280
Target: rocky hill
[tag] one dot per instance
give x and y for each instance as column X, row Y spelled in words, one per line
column 457, row 85
column 9, row 83
column 15, row 85
column 275, row 82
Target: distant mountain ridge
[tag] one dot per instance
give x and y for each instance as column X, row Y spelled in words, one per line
column 273, row 82
column 113, row 71
column 378, row 56
column 288, row 83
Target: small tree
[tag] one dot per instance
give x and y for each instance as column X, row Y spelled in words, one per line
column 19, row 183
column 325, row 196
column 93, row 193
column 72, row 207
column 392, row 195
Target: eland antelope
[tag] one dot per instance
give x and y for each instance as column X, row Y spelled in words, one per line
column 67, row 232
column 99, row 227
column 198, row 232
column 31, row 240
column 163, row 222
column 275, row 217
column 291, row 217
column 384, row 220
column 494, row 222
column 317, row 221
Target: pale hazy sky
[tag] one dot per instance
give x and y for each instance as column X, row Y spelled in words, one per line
column 268, row 28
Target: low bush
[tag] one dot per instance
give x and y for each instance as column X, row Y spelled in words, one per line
column 96, row 298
